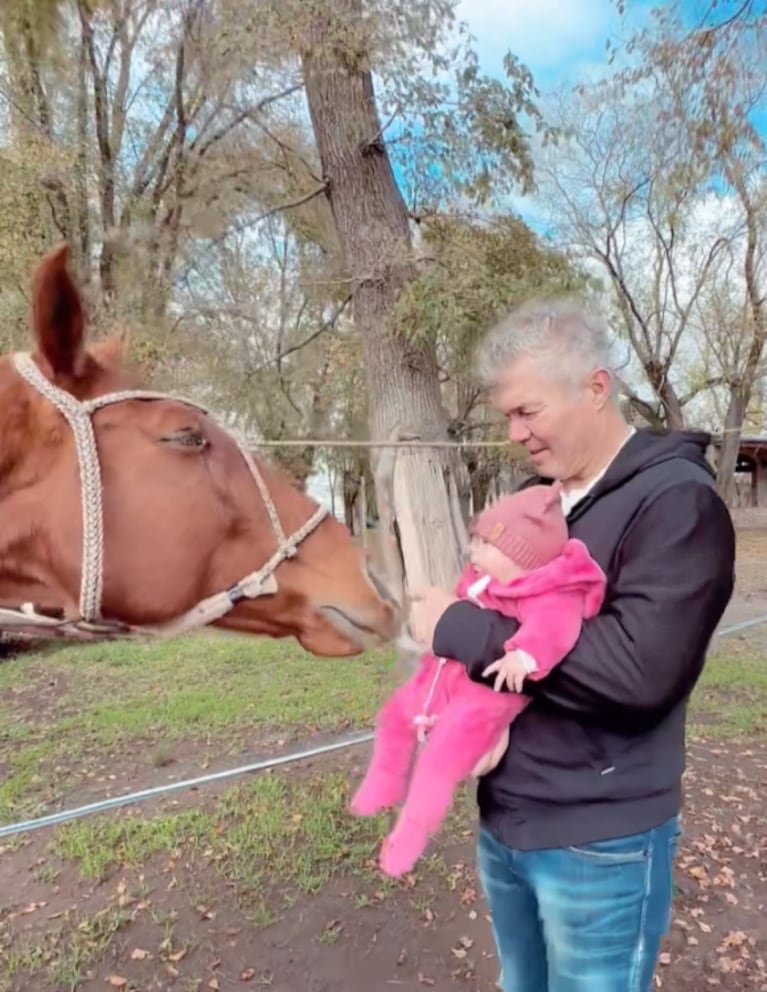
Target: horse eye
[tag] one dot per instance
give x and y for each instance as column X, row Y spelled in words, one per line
column 187, row 438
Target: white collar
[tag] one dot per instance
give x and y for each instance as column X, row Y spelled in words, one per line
column 572, row 496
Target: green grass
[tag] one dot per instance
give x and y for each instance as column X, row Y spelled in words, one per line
column 79, row 703
column 282, row 831
column 731, row 697
column 66, row 712
column 258, row 849
column 65, row 953
column 260, row 846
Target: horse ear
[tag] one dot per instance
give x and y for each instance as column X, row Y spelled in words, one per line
column 57, row 317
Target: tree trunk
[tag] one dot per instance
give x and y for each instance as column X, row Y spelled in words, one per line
column 671, row 406
column 372, row 226
column 728, row 452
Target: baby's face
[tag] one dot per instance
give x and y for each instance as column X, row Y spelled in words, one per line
column 487, row 558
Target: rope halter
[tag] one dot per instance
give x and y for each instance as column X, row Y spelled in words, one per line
column 78, row 415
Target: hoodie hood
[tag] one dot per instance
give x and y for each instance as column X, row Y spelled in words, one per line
column 647, row 447
column 651, row 446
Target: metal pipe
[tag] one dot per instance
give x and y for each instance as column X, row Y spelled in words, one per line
column 134, row 797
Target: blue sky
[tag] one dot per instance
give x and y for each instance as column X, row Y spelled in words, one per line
column 563, row 41
column 560, row 41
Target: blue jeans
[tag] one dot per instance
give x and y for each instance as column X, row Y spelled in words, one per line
column 580, row 919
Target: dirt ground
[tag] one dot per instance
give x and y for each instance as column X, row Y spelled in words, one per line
column 166, row 916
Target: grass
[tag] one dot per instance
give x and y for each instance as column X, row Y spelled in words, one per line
column 278, row 833
column 63, row 709
column 262, row 845
column 69, row 714
column 731, row 697
column 65, row 953
column 259, row 848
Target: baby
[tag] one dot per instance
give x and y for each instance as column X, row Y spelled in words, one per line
column 523, row 565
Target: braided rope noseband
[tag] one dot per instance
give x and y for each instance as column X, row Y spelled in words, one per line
column 90, row 622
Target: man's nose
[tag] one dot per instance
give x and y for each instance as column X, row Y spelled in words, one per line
column 519, row 432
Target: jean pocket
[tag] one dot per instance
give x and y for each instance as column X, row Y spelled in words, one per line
column 616, row 851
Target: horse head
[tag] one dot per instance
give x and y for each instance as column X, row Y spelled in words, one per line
column 130, row 511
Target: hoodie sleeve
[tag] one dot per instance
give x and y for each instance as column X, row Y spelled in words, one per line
column 644, row 652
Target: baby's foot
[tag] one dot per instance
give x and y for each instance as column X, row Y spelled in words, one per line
column 402, row 848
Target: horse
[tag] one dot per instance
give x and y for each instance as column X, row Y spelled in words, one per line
column 130, row 513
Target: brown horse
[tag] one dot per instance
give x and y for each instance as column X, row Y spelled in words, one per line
column 124, row 512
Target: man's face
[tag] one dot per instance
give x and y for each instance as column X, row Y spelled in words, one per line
column 556, row 423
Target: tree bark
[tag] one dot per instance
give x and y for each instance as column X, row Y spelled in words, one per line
column 728, row 453
column 372, row 225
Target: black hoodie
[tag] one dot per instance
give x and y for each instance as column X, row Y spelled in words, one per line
column 600, row 751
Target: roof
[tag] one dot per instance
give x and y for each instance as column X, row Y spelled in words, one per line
column 757, row 440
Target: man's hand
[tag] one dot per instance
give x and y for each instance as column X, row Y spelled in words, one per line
column 513, row 668
column 427, row 605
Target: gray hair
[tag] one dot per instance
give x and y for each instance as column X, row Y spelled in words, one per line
column 562, row 335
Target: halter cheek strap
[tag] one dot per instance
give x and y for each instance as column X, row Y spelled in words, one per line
column 78, row 415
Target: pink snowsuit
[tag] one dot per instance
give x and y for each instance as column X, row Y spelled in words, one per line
column 466, row 719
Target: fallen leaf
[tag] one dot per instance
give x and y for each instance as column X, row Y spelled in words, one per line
column 247, row 974
column 117, row 981
column 177, row 955
column 423, row 980
column 213, row 984
column 665, row 958
column 734, row 939
column 32, row 907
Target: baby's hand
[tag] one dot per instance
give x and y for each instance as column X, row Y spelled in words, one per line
column 512, row 669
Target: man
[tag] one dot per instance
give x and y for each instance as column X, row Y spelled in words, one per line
column 579, row 821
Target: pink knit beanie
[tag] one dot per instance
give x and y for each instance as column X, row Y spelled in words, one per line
column 529, row 527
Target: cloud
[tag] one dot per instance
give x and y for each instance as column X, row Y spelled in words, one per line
column 560, row 41
column 551, row 38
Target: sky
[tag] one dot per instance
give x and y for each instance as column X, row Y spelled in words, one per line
column 560, row 41
column 563, row 41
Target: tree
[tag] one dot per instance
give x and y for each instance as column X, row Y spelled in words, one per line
column 472, row 272
column 159, row 128
column 211, row 143
column 261, row 324
column 713, row 72
column 624, row 193
column 339, row 42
